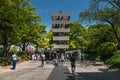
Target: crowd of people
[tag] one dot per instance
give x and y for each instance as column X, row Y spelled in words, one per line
column 57, row 61
column 60, row 60
column 39, row 57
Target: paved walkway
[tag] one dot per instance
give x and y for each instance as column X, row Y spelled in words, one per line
column 59, row 73
column 91, row 71
column 31, row 70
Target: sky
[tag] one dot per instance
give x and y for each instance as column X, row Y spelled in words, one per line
column 45, row 8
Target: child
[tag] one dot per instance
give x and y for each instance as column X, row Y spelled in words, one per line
column 56, row 61
column 38, row 57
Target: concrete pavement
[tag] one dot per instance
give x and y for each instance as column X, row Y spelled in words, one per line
column 31, row 70
column 90, row 71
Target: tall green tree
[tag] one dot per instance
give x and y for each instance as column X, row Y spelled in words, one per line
column 108, row 13
column 96, row 36
column 7, row 19
column 101, row 33
column 48, row 39
column 30, row 27
column 16, row 21
column 32, row 35
column 76, row 35
column 40, row 32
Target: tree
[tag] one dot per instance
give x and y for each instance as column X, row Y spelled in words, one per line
column 76, row 35
column 30, row 24
column 7, row 18
column 106, row 50
column 108, row 14
column 48, row 39
column 98, row 35
column 34, row 34
column 17, row 20
column 101, row 33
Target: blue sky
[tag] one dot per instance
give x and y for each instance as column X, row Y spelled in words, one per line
column 45, row 8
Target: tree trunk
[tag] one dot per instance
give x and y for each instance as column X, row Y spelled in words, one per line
column 23, row 48
column 115, row 33
column 25, row 45
column 5, row 44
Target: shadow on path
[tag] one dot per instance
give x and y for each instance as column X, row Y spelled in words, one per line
column 59, row 73
column 95, row 76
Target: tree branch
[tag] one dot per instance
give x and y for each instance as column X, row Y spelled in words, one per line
column 113, row 27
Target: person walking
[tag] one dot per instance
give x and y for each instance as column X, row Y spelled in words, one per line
column 62, row 59
column 82, row 58
column 14, row 60
column 42, row 60
column 38, row 57
column 73, row 65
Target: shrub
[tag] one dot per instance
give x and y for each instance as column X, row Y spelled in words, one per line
column 91, row 56
column 13, row 49
column 4, row 61
column 23, row 56
column 114, row 61
column 106, row 50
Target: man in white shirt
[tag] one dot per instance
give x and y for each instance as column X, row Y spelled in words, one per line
column 14, row 60
column 62, row 58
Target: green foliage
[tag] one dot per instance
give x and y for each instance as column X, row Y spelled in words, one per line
column 4, row 61
column 106, row 50
column 95, row 36
column 114, row 61
column 13, row 49
column 76, row 35
column 19, row 24
column 23, row 56
column 91, row 56
column 47, row 42
column 108, row 13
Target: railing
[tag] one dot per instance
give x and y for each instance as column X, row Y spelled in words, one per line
column 61, row 46
column 60, row 22
column 61, row 38
column 61, row 30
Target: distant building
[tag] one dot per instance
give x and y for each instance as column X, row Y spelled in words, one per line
column 60, row 29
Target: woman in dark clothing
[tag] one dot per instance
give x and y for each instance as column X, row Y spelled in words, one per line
column 73, row 60
column 42, row 59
